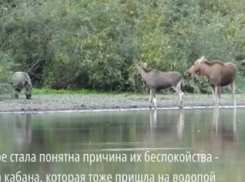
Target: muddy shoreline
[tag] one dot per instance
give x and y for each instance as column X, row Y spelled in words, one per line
column 107, row 101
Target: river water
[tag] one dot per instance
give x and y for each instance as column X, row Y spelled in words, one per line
column 164, row 145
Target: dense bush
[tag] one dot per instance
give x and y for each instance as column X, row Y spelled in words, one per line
column 93, row 44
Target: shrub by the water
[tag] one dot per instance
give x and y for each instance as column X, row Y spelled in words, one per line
column 93, row 44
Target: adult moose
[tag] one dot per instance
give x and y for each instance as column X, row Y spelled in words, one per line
column 156, row 80
column 219, row 74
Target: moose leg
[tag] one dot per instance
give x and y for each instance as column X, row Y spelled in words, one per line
column 216, row 96
column 212, row 90
column 233, row 88
column 180, row 93
column 154, row 98
column 219, row 92
column 150, row 99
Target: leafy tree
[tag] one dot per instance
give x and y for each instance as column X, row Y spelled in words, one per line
column 94, row 44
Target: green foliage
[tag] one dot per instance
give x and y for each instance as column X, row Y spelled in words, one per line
column 93, row 44
column 45, row 91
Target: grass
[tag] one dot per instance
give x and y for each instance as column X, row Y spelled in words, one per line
column 46, row 91
column 5, row 88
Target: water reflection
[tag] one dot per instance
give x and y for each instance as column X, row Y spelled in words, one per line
column 218, row 131
column 220, row 127
column 153, row 118
column 180, row 126
column 23, row 132
column 164, row 129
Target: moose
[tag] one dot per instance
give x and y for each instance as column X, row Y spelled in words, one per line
column 156, row 80
column 218, row 73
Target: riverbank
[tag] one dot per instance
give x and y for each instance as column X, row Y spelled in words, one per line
column 59, row 102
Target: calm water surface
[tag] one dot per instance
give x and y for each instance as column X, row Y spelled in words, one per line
column 219, row 132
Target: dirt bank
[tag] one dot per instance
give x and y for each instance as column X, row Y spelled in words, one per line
column 106, row 101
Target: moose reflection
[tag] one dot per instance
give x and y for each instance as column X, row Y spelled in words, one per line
column 161, row 132
column 170, row 129
column 179, row 126
column 217, row 134
column 223, row 130
column 164, row 131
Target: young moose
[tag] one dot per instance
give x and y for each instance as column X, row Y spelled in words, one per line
column 156, row 80
column 219, row 74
